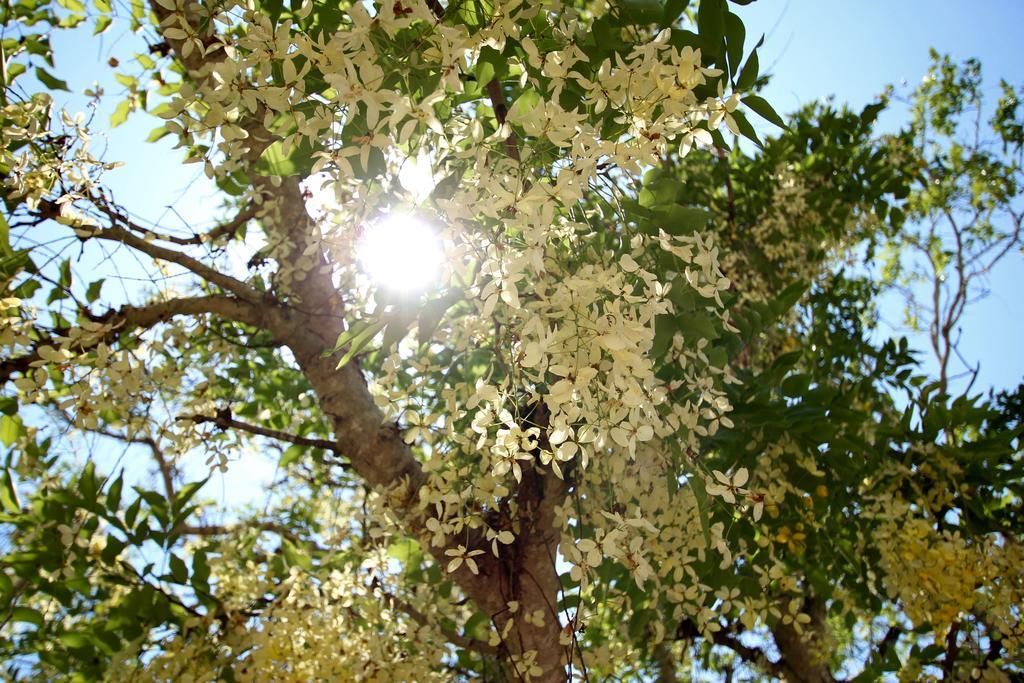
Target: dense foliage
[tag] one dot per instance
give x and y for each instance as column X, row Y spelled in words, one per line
column 639, row 424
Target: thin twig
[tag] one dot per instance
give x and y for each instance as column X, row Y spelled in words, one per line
column 224, row 420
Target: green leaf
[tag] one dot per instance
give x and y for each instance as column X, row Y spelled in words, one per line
column 717, row 357
column 747, row 130
column 186, row 492
column 27, row 615
column 431, row 315
column 132, row 513
column 696, row 326
column 120, row 114
column 9, row 494
column 673, row 10
column 114, row 493
column 40, row 47
column 93, row 292
column 785, row 361
column 484, row 71
column 27, row 289
column 641, row 11
column 179, row 571
column 273, row 9
column 397, row 322
column 291, row 455
column 102, row 24
column 87, row 484
column 367, row 331
column 200, row 571
column 71, row 20
column 749, row 72
column 606, row 33
column 696, row 482
column 15, row 262
column 10, row 429
column 295, row 556
column 66, row 276
column 475, row 13
column 477, row 625
column 410, row 553
column 275, row 161
column 107, row 642
column 5, row 237
column 711, row 25
column 50, row 81
column 496, row 65
column 760, row 106
column 126, row 80
column 75, row 640
column 351, row 333
column 234, row 184
column 664, row 330
column 870, row 112
column 528, row 100
column 735, row 35
column 685, row 220
column 157, row 133
column 404, row 550
column 795, row 385
column 14, row 70
column 6, row 585
column 788, row 297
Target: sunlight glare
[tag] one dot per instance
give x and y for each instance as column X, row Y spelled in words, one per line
column 401, row 252
column 417, row 177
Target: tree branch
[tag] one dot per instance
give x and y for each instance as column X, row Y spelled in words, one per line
column 225, row 529
column 500, row 106
column 207, row 273
column 210, row 51
column 494, row 92
column 165, row 467
column 687, row 630
column 130, row 318
column 215, row 233
column 115, row 233
column 224, row 420
column 952, row 650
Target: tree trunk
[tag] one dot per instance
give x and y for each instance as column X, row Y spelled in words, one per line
column 799, row 661
column 666, row 663
column 525, row 573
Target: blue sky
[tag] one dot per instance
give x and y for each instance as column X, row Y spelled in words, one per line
column 852, row 50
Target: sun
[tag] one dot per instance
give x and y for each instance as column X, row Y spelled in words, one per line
column 401, row 252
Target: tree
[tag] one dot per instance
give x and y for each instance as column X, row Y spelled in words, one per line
column 635, row 426
column 964, row 219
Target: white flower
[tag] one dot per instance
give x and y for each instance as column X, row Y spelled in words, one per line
column 729, row 486
column 460, row 555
